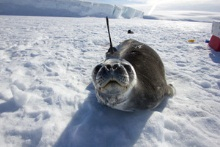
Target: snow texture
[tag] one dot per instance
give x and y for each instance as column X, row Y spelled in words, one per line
column 47, row 99
column 70, row 8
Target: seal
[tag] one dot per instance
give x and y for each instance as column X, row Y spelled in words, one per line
column 131, row 78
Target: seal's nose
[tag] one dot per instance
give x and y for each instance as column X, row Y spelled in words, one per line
column 112, row 66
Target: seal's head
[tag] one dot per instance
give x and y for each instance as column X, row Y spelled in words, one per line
column 113, row 80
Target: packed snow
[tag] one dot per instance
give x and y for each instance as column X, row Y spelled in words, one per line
column 47, row 99
column 71, row 8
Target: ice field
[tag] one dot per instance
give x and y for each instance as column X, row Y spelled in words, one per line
column 47, row 99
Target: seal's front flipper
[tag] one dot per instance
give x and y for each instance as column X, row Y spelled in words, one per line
column 171, row 91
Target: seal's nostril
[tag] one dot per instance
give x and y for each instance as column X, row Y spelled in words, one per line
column 115, row 66
column 108, row 66
column 112, row 67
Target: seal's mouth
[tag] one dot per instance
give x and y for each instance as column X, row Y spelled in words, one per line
column 112, row 88
column 113, row 83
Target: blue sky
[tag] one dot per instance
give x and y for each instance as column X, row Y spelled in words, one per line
column 182, row 5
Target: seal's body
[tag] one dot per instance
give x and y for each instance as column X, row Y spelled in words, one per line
column 131, row 78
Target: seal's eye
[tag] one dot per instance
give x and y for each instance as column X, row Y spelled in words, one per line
column 97, row 68
column 128, row 68
column 134, row 52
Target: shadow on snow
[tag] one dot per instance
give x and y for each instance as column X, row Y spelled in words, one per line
column 215, row 56
column 97, row 125
column 9, row 106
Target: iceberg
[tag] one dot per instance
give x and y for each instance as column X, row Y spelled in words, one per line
column 69, row 8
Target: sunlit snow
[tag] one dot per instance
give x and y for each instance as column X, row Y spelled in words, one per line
column 47, row 99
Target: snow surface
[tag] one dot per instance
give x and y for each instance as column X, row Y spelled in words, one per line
column 71, row 8
column 47, row 99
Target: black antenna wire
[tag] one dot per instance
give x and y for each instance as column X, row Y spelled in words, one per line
column 111, row 49
column 107, row 22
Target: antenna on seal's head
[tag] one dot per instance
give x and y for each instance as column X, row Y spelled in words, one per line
column 111, row 49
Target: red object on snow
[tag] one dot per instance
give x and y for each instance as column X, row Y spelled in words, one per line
column 215, row 43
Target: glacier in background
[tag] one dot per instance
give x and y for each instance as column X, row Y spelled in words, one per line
column 70, row 8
